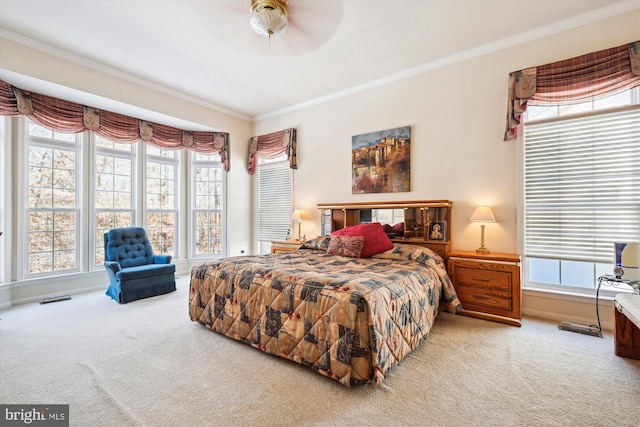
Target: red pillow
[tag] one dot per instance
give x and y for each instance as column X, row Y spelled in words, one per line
column 375, row 239
column 399, row 229
column 388, row 229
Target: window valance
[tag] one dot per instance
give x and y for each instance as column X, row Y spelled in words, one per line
column 587, row 77
column 273, row 145
column 66, row 116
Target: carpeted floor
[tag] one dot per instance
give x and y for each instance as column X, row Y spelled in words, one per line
column 146, row 363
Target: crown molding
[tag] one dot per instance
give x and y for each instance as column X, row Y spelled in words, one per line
column 507, row 42
column 81, row 60
column 527, row 36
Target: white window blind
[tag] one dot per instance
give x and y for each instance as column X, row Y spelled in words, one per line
column 274, row 200
column 582, row 185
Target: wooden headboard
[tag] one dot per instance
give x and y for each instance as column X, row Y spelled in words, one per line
column 427, row 223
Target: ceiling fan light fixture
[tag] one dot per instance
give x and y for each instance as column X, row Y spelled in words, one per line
column 268, row 17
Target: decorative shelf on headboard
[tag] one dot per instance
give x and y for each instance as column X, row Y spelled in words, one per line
column 424, row 222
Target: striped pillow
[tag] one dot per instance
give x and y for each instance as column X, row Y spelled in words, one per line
column 350, row 246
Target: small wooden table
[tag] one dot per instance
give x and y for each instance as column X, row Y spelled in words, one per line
column 285, row 245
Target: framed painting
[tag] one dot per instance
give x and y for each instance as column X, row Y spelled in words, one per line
column 437, row 230
column 380, row 161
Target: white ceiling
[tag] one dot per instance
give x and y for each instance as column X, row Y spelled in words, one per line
column 205, row 51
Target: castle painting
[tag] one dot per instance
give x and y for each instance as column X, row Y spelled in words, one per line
column 380, row 161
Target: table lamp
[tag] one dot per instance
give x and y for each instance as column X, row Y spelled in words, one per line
column 482, row 214
column 298, row 215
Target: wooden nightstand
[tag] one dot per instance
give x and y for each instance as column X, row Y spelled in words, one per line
column 285, row 245
column 488, row 285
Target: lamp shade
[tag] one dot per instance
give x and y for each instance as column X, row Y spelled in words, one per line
column 483, row 214
column 298, row 214
column 268, row 17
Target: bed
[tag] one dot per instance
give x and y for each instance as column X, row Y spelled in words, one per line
column 350, row 319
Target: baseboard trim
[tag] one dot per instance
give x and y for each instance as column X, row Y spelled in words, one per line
column 34, row 290
column 580, row 309
column 536, row 303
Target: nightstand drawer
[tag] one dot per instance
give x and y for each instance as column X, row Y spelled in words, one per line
column 472, row 298
column 483, row 278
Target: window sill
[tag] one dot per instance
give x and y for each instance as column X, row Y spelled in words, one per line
column 573, row 294
column 562, row 294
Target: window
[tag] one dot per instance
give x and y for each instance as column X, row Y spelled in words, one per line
column 114, row 171
column 4, row 204
column 52, row 202
column 207, row 204
column 581, row 188
column 162, row 212
column 275, row 201
column 71, row 188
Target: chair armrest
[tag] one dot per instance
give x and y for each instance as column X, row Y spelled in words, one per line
column 112, row 266
column 162, row 259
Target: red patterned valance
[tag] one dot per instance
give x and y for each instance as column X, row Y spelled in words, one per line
column 273, row 145
column 66, row 116
column 591, row 76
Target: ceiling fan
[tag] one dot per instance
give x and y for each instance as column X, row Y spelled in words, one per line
column 300, row 26
column 269, row 17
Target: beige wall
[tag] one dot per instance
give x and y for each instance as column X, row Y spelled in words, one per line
column 457, row 153
column 457, row 116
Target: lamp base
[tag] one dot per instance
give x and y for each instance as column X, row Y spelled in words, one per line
column 482, row 249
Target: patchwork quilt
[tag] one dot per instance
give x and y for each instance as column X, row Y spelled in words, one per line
column 350, row 319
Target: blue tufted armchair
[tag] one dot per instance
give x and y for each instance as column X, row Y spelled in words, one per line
column 134, row 271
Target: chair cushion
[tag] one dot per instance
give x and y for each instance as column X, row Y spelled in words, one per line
column 142, row 271
column 128, row 246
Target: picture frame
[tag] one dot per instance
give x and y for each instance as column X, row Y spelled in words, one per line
column 381, row 161
column 437, row 230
